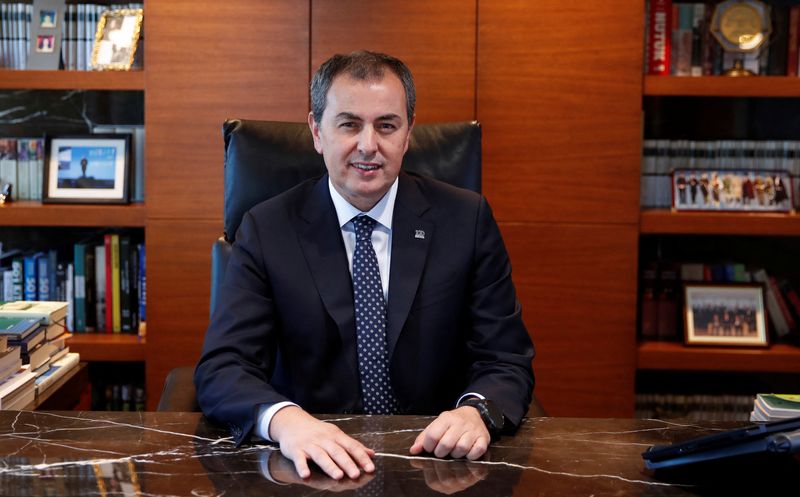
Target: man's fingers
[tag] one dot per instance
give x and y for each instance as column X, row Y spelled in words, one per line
column 446, row 442
column 342, row 458
column 463, row 445
column 326, row 464
column 478, row 448
column 416, row 447
column 360, row 454
column 301, row 465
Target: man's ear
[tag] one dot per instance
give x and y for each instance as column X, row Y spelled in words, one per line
column 410, row 127
column 314, row 126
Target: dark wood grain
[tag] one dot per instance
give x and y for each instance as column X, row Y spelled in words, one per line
column 110, row 347
column 435, row 39
column 662, row 221
column 71, row 80
column 721, row 86
column 779, row 358
column 577, row 287
column 238, row 59
column 178, row 282
column 559, row 95
column 30, row 213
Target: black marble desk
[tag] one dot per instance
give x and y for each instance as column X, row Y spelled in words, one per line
column 180, row 454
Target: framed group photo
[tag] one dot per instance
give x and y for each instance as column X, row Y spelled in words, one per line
column 731, row 190
column 87, row 169
column 725, row 314
column 116, row 39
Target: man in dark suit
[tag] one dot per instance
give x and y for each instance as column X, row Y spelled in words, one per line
column 368, row 290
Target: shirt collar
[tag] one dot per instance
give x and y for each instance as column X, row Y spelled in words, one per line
column 382, row 212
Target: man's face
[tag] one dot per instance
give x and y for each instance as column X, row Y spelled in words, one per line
column 363, row 135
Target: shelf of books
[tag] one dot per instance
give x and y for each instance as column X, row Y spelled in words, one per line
column 71, row 80
column 778, row 358
column 112, row 347
column 33, row 213
column 667, row 222
column 722, row 86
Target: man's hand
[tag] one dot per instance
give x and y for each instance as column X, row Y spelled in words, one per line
column 458, row 433
column 303, row 437
column 282, row 470
column 447, row 477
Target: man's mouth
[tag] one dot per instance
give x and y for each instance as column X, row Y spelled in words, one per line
column 365, row 167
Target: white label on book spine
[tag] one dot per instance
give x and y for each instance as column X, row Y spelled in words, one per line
column 80, row 287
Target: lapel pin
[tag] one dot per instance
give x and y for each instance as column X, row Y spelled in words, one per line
column 419, row 234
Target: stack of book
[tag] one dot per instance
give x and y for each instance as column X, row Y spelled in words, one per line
column 36, row 334
column 775, row 407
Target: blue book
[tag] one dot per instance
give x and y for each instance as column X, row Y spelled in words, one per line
column 17, row 329
column 43, row 278
column 30, row 279
column 142, row 286
column 79, row 288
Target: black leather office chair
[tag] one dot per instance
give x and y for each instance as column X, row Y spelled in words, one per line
column 265, row 158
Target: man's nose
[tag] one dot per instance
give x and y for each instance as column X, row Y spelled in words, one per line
column 367, row 141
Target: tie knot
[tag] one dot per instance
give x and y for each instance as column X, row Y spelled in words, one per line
column 364, row 226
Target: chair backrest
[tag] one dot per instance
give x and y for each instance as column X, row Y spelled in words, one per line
column 265, row 158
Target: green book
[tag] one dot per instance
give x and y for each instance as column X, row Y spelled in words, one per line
column 18, row 328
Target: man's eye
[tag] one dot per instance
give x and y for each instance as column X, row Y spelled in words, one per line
column 387, row 127
column 347, row 124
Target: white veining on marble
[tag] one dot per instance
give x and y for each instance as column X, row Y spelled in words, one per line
column 520, row 466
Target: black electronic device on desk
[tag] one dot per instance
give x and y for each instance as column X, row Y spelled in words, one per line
column 779, row 437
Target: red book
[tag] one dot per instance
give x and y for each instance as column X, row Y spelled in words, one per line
column 659, row 36
column 109, row 286
column 792, row 49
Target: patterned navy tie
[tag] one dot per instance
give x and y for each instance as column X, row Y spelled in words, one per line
column 370, row 312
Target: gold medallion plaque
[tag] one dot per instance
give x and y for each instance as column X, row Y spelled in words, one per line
column 741, row 26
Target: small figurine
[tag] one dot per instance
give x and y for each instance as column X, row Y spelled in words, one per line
column 5, row 195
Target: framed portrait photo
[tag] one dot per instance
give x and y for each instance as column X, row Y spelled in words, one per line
column 87, row 169
column 116, row 39
column 725, row 314
column 731, row 190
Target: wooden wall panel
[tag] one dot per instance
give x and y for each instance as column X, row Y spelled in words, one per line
column 559, row 96
column 178, row 276
column 577, row 287
column 435, row 39
column 233, row 59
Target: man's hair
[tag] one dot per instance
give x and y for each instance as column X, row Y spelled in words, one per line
column 362, row 65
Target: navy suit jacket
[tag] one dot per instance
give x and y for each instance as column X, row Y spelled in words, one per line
column 284, row 328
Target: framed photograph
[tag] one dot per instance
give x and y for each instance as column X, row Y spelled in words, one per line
column 87, row 169
column 725, row 314
column 116, row 39
column 45, row 43
column 48, row 19
column 731, row 190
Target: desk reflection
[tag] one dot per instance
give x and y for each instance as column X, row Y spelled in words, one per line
column 107, row 454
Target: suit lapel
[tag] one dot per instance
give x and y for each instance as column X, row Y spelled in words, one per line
column 411, row 238
column 321, row 241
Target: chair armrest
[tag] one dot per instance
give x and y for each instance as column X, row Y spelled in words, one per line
column 179, row 393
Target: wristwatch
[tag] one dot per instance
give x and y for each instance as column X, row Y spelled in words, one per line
column 491, row 415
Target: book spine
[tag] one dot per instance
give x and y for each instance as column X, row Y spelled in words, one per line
column 773, row 308
column 659, row 37
column 43, row 278
column 109, row 285
column 142, row 284
column 79, row 281
column 90, row 303
column 17, row 272
column 100, row 286
column 115, row 285
column 782, row 304
column 29, row 274
column 126, row 315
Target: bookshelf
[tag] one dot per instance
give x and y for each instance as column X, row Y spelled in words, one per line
column 111, row 347
column 71, row 80
column 717, row 108
column 722, row 86
column 666, row 222
column 30, row 213
column 778, row 358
